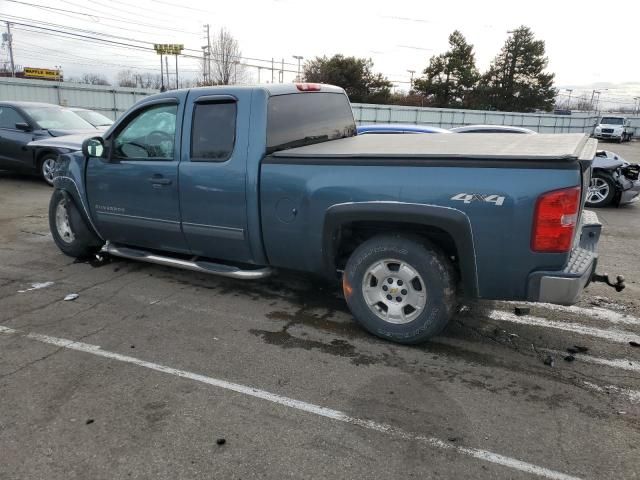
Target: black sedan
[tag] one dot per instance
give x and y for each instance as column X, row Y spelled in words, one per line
column 23, row 122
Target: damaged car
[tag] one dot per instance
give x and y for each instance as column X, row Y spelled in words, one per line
column 614, row 181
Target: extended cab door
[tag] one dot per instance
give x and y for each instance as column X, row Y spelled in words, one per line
column 133, row 193
column 213, row 175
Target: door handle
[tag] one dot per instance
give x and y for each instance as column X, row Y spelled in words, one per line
column 159, row 180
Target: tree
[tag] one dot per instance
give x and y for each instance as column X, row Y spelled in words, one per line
column 353, row 74
column 516, row 79
column 450, row 76
column 126, row 78
column 225, row 58
column 94, row 79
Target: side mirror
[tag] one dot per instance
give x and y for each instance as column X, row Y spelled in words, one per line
column 93, row 147
column 23, row 126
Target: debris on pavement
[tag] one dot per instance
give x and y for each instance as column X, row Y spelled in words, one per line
column 569, row 358
column 580, row 349
column 36, row 286
column 549, row 360
column 221, row 441
column 634, row 344
column 520, row 311
column 89, row 421
column 70, row 297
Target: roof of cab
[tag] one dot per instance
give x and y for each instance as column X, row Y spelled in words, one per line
column 500, row 146
column 272, row 88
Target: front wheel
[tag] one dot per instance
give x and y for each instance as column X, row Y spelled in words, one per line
column 601, row 191
column 47, row 167
column 400, row 288
column 68, row 228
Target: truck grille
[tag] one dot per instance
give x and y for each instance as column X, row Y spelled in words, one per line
column 607, row 130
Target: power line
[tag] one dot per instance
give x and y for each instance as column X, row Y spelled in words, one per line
column 90, row 15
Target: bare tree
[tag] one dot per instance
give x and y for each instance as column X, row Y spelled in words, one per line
column 94, row 79
column 225, row 57
column 126, row 78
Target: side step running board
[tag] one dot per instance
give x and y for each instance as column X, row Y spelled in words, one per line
column 195, row 265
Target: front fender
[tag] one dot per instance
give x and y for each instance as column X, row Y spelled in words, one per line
column 451, row 220
column 69, row 178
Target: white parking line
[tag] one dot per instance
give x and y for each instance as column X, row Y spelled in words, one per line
column 632, row 395
column 336, row 415
column 598, row 313
column 621, row 363
column 612, row 335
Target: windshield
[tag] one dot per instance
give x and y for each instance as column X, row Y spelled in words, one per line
column 94, row 118
column 612, row 121
column 305, row 118
column 57, row 118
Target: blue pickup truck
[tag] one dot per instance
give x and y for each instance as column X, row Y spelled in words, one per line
column 240, row 181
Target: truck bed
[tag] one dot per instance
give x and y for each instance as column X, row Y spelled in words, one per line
column 493, row 146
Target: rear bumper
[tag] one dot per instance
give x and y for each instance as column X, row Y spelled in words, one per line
column 565, row 286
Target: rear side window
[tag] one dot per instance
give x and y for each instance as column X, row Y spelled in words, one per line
column 213, row 131
column 305, row 118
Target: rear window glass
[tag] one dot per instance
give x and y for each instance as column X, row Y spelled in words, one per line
column 305, row 118
column 213, row 132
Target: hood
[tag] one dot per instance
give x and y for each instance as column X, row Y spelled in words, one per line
column 607, row 160
column 56, row 132
column 71, row 142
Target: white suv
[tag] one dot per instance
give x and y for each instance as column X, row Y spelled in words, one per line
column 613, row 128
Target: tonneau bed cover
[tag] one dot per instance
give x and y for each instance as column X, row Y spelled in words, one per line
column 490, row 146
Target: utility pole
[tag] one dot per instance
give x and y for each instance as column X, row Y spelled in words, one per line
column 177, row 86
column 208, row 55
column 298, row 57
column 636, row 108
column 161, row 75
column 411, row 72
column 10, row 42
column 272, row 71
column 282, row 72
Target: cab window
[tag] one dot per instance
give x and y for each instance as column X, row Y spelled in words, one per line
column 213, row 132
column 150, row 135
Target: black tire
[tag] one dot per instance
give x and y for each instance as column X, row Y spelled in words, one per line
column 82, row 242
column 44, row 167
column 592, row 200
column 434, row 271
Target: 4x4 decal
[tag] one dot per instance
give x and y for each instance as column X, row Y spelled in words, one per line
column 497, row 200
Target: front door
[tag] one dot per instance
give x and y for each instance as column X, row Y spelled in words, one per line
column 14, row 154
column 213, row 175
column 133, row 192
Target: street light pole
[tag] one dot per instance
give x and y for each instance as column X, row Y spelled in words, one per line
column 298, row 57
column 411, row 72
column 570, row 90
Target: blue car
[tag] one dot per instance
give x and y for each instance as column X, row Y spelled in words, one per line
column 398, row 128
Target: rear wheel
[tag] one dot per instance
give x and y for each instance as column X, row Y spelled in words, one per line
column 601, row 191
column 68, row 228
column 400, row 288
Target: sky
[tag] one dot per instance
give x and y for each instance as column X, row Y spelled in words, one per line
column 588, row 47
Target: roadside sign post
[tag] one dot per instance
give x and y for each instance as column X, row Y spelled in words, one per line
column 168, row 49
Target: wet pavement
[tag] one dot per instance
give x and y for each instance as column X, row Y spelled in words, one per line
column 167, row 363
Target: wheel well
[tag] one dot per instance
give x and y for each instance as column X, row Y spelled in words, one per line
column 40, row 155
column 350, row 235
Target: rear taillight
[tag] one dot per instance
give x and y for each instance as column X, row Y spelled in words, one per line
column 308, row 87
column 555, row 220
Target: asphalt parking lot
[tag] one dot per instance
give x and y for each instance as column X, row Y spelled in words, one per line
column 166, row 374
